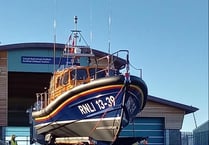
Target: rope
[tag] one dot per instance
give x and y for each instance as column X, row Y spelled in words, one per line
column 94, row 128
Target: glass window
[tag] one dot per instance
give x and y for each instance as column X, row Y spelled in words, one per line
column 58, row 82
column 65, row 78
column 92, row 72
column 79, row 74
column 72, row 75
column 113, row 72
column 100, row 73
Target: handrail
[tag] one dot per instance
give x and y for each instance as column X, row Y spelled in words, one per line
column 110, row 60
column 41, row 100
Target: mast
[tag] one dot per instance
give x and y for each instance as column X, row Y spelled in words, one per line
column 76, row 30
column 72, row 49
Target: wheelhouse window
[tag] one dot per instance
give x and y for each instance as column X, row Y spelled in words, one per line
column 79, row 74
column 113, row 72
column 100, row 73
column 92, row 72
column 65, row 78
column 58, row 82
column 97, row 73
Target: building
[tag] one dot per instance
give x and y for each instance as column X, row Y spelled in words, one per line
column 201, row 134
column 160, row 121
column 187, row 138
column 26, row 69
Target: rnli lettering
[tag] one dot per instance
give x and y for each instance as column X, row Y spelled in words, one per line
column 97, row 105
column 86, row 108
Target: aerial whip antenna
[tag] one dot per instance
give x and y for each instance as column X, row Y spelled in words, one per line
column 91, row 20
column 109, row 26
column 109, row 32
column 55, row 3
column 54, row 52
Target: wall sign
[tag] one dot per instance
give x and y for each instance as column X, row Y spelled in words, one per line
column 45, row 60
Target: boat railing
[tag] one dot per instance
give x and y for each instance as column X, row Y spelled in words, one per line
column 111, row 59
column 116, row 55
column 41, row 100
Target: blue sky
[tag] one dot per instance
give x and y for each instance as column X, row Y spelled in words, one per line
column 168, row 39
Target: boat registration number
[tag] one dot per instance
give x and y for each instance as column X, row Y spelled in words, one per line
column 97, row 105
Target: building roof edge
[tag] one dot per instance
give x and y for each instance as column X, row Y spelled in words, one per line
column 188, row 109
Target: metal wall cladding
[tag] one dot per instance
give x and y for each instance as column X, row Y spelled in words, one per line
column 151, row 128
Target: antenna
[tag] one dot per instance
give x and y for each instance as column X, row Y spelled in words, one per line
column 54, row 52
column 91, row 20
column 76, row 29
column 55, row 3
column 109, row 32
column 109, row 26
column 75, row 21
